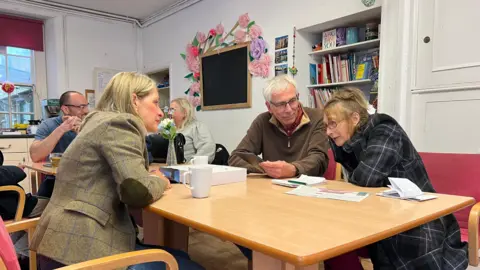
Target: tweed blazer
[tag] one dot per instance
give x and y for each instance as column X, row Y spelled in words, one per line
column 102, row 171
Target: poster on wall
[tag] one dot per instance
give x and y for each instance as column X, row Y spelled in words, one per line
column 90, row 96
column 281, row 55
column 281, row 42
column 281, row 69
column 101, row 77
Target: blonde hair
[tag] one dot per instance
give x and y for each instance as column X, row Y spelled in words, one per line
column 351, row 100
column 278, row 84
column 117, row 96
column 187, row 109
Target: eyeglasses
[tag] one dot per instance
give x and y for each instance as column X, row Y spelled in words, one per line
column 81, row 106
column 293, row 103
column 333, row 124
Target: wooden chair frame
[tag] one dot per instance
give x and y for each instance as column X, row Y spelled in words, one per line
column 20, row 224
column 473, row 246
column 126, row 259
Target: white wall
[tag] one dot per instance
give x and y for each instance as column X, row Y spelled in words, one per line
column 91, row 43
column 75, row 44
column 165, row 40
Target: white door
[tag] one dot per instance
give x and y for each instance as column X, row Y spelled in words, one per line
column 447, row 50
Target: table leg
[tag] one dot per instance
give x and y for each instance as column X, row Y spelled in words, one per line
column 265, row 262
column 35, row 181
column 164, row 232
column 176, row 235
column 153, row 229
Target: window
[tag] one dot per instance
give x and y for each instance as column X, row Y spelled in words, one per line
column 16, row 65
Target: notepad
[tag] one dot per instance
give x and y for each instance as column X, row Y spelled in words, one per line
column 325, row 193
column 303, row 180
column 402, row 188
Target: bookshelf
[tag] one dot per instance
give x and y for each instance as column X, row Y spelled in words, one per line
column 353, row 83
column 355, row 47
column 344, row 52
column 161, row 77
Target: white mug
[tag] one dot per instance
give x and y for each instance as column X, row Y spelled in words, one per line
column 200, row 181
column 200, row 160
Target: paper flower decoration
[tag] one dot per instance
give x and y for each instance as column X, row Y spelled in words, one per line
column 8, row 87
column 216, row 38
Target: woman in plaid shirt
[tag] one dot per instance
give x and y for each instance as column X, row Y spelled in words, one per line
column 372, row 148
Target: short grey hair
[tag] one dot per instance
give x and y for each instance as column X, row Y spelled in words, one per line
column 278, row 84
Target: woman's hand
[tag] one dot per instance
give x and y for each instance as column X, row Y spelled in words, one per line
column 162, row 176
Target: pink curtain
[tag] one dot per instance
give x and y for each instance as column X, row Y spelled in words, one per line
column 21, row 32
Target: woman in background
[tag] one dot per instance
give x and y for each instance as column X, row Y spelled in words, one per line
column 198, row 140
column 373, row 148
column 104, row 170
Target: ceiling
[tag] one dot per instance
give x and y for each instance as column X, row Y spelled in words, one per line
column 138, row 9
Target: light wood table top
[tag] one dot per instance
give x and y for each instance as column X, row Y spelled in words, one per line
column 40, row 168
column 299, row 230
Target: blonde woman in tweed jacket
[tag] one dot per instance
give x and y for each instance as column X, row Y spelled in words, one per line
column 103, row 171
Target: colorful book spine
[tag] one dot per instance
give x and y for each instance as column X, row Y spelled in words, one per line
column 341, row 36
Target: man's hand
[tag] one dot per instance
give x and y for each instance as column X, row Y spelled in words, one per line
column 278, row 169
column 161, row 176
column 70, row 123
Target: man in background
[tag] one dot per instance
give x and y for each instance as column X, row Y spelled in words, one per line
column 55, row 134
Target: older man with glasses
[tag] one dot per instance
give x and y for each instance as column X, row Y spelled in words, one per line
column 290, row 138
column 55, row 134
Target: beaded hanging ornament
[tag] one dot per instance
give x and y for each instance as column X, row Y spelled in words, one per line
column 368, row 3
column 293, row 70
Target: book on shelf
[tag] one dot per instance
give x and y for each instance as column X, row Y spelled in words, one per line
column 336, row 68
column 341, row 38
column 329, row 39
column 321, row 95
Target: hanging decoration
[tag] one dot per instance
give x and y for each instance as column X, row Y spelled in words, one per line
column 244, row 30
column 368, row 3
column 293, row 70
column 8, row 87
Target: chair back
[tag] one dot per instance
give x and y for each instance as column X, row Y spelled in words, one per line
column 330, row 173
column 456, row 174
column 158, row 147
column 221, row 155
column 127, row 259
column 7, row 252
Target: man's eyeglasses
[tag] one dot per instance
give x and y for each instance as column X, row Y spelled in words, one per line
column 82, row 106
column 293, row 103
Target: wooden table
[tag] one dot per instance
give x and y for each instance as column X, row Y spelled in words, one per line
column 39, row 169
column 292, row 232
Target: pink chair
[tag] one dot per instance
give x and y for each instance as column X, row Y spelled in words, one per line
column 458, row 174
column 7, row 251
column 334, row 170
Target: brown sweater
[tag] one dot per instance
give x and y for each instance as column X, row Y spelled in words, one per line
column 306, row 149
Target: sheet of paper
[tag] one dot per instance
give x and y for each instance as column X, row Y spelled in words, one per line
column 394, row 195
column 302, row 180
column 404, row 187
column 325, row 193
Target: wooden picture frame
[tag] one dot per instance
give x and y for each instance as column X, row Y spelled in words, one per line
column 247, row 104
column 90, row 96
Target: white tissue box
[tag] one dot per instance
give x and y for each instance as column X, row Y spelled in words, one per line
column 221, row 174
